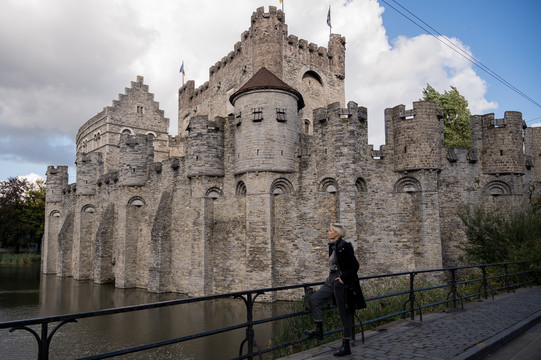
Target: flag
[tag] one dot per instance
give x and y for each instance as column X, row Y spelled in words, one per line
column 329, row 17
column 182, row 69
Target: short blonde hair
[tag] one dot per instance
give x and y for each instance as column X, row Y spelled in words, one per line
column 339, row 228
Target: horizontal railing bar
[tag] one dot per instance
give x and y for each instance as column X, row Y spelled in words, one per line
column 508, row 283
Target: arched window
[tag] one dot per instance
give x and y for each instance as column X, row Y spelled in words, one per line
column 307, row 127
column 408, row 185
column 136, row 201
column 89, row 209
column 214, row 193
column 241, row 189
column 328, row 185
column 496, row 188
column 55, row 213
column 360, row 185
column 281, row 186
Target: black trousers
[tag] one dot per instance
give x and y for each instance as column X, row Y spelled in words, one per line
column 324, row 296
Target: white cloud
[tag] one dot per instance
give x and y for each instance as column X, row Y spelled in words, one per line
column 63, row 61
column 33, row 178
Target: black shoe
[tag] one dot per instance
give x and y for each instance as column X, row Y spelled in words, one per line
column 344, row 349
column 317, row 333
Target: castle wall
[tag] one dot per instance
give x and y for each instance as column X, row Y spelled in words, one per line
column 238, row 201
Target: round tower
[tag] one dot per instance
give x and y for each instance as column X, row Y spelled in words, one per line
column 502, row 150
column 417, row 136
column 205, row 147
column 266, row 115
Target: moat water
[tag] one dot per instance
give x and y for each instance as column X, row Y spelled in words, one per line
column 27, row 294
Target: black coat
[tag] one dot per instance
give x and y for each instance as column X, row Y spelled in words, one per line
column 348, row 267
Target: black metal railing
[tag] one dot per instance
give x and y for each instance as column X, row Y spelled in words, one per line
column 485, row 280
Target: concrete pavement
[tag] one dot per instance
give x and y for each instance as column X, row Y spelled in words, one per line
column 477, row 332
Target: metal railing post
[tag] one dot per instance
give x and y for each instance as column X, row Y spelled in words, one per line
column 453, row 286
column 485, row 282
column 44, row 343
column 412, row 296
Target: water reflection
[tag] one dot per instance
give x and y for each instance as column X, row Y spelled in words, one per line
column 25, row 294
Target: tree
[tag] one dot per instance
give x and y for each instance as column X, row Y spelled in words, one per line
column 456, row 115
column 22, row 212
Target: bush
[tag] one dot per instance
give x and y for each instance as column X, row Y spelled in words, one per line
column 20, row 259
column 494, row 236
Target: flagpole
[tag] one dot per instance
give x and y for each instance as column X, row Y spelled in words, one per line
column 329, row 20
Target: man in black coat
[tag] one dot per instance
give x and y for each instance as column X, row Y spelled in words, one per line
column 342, row 284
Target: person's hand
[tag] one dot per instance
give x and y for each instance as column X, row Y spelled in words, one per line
column 338, row 278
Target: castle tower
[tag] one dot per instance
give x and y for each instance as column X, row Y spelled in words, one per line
column 89, row 168
column 417, row 136
column 136, row 152
column 205, row 147
column 502, row 143
column 267, row 33
column 57, row 179
column 266, row 117
column 314, row 71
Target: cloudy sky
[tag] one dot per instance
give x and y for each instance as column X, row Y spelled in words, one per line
column 62, row 61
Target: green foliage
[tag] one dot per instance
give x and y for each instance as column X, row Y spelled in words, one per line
column 22, row 212
column 456, row 121
column 498, row 236
column 19, row 259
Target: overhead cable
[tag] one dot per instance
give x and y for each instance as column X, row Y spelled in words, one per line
column 459, row 50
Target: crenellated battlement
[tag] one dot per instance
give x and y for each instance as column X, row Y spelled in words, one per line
column 57, row 179
column 89, row 169
column 500, row 142
column 267, row 42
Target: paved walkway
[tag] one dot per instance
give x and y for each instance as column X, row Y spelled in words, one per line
column 473, row 333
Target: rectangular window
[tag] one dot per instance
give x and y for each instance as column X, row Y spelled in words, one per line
column 238, row 118
column 257, row 114
column 281, row 115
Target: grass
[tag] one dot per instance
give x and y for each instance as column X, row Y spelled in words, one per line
column 20, row 259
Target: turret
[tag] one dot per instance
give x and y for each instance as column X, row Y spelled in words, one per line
column 337, row 55
column 417, row 136
column 57, row 179
column 205, row 147
column 136, row 153
column 89, row 168
column 268, row 32
column 266, row 118
column 502, row 143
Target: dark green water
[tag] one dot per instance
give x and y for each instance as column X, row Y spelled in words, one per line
column 26, row 294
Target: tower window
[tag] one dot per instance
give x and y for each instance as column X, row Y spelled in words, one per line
column 257, row 114
column 238, row 118
column 140, row 109
column 281, row 115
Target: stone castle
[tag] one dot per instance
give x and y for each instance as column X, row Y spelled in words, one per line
column 267, row 155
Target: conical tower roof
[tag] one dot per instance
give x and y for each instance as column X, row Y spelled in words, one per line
column 264, row 79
